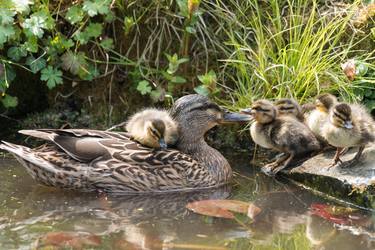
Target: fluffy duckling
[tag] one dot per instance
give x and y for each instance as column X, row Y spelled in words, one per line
column 319, row 115
column 290, row 107
column 345, row 130
column 281, row 133
column 153, row 128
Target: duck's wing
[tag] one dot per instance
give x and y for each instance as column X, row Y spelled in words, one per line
column 82, row 145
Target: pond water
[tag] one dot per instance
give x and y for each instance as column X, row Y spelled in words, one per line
column 29, row 213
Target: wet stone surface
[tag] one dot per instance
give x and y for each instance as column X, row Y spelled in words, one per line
column 355, row 183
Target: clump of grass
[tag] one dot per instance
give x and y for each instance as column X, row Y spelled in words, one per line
column 287, row 50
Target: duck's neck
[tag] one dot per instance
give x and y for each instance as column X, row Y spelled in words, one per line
column 216, row 163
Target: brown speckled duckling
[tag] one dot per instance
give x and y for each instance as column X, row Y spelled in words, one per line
column 281, row 133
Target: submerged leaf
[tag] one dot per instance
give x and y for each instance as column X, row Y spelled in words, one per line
column 74, row 240
column 222, row 208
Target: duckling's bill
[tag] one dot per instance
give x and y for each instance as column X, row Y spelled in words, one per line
column 162, row 143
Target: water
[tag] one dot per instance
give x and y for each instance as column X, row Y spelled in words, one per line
column 29, row 212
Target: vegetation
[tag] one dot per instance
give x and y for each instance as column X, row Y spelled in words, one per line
column 239, row 49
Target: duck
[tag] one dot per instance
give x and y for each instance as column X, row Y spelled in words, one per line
column 344, row 130
column 320, row 114
column 290, row 107
column 152, row 127
column 284, row 134
column 111, row 162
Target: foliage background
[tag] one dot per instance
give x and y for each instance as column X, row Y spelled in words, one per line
column 89, row 63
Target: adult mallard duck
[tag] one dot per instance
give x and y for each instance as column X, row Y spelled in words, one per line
column 111, row 162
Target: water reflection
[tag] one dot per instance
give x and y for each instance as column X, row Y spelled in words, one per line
column 28, row 211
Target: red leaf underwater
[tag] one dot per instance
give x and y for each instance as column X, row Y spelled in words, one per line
column 75, row 240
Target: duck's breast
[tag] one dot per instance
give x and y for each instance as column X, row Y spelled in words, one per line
column 259, row 135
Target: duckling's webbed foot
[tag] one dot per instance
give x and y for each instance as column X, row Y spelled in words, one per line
column 355, row 160
column 274, row 167
column 336, row 158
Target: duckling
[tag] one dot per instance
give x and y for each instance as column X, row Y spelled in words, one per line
column 289, row 107
column 319, row 115
column 281, row 133
column 345, row 130
column 153, row 128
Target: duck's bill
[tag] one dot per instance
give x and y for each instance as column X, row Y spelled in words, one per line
column 246, row 111
column 230, row 117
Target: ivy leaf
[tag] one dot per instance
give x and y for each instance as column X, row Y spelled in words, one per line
column 35, row 25
column 144, row 87
column 52, row 76
column 107, row 43
column 94, row 7
column 73, row 62
column 36, row 64
column 9, row 101
column 6, row 16
column 75, row 14
column 5, row 33
column 94, row 30
column 31, row 44
column 16, row 53
column 22, row 5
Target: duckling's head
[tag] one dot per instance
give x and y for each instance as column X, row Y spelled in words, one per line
column 341, row 116
column 325, row 102
column 263, row 111
column 287, row 106
column 155, row 129
column 196, row 114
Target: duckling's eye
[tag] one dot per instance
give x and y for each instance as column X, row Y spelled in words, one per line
column 155, row 132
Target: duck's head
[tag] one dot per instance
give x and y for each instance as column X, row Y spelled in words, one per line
column 287, row 106
column 155, row 129
column 196, row 114
column 341, row 116
column 325, row 102
column 263, row 111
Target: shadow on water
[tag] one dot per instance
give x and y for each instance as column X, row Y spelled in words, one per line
column 28, row 211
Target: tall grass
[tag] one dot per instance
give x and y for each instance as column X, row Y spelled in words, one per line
column 287, row 50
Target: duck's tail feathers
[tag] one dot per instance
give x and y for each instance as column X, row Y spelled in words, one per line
column 48, row 136
column 26, row 156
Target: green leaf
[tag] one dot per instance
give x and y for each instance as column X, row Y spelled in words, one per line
column 75, row 14
column 6, row 32
column 178, row 79
column 52, row 75
column 35, row 25
column 190, row 30
column 202, row 90
column 94, row 7
column 22, row 6
column 94, row 30
column 360, row 69
column 9, row 101
column 107, row 43
column 6, row 16
column 31, row 44
column 73, row 61
column 36, row 64
column 7, row 76
column 88, row 72
column 144, row 87
column 16, row 53
column 208, row 79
